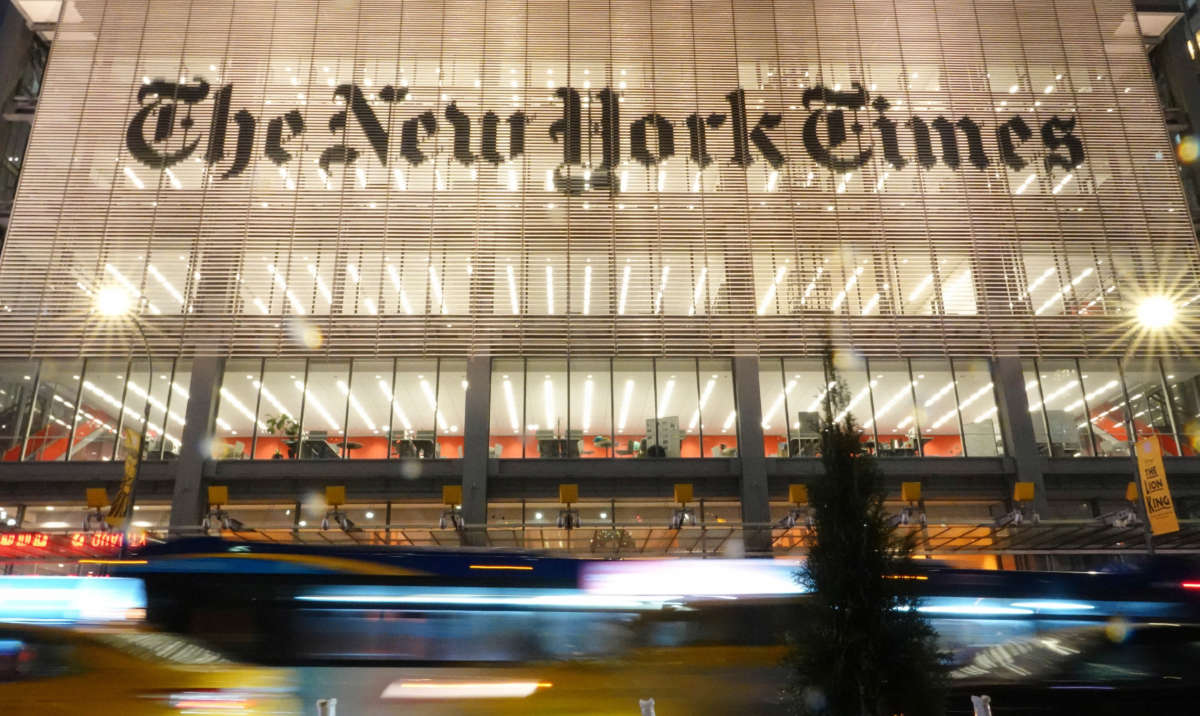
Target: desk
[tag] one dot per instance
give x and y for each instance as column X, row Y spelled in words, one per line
column 350, row 445
column 422, row 449
column 558, row 447
column 312, row 449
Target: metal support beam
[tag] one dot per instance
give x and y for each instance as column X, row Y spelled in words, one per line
column 475, row 449
column 1017, row 426
column 756, row 508
column 188, row 499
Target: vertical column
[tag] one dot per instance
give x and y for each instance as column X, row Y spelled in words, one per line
column 756, row 510
column 475, row 449
column 1017, row 427
column 188, row 499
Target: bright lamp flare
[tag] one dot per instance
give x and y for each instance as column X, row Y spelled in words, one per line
column 1156, row 312
column 112, row 301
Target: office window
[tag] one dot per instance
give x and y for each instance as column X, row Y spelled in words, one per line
column 717, row 433
column 18, row 380
column 937, row 410
column 774, row 396
column 53, row 410
column 415, row 405
column 633, row 393
column 160, row 436
column 1033, row 396
column 451, row 407
column 508, row 409
column 1104, row 400
column 546, row 430
column 676, row 399
column 236, row 426
column 324, row 409
column 857, row 385
column 100, row 410
column 591, row 406
column 895, row 429
column 808, row 389
column 179, row 380
column 976, row 396
column 1149, row 406
column 1063, row 404
column 1183, row 384
column 280, row 404
column 368, row 424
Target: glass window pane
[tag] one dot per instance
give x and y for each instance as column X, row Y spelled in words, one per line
column 163, row 433
column 1105, row 402
column 895, row 424
column 633, row 393
column 53, row 412
column 977, row 404
column 134, row 397
column 415, row 407
column 1183, row 382
column 775, row 406
column 1063, row 396
column 591, row 406
column 451, row 407
column 370, row 406
column 806, row 405
column 546, row 410
column 677, row 400
column 853, row 373
column 1148, row 404
column 176, row 407
column 279, row 408
column 935, row 409
column 508, row 389
column 99, row 410
column 232, row 439
column 325, row 403
column 718, row 414
column 1033, row 394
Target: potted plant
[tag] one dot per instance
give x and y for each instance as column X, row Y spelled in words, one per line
column 283, row 424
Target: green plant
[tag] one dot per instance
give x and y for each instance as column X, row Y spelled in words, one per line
column 283, row 424
column 861, row 648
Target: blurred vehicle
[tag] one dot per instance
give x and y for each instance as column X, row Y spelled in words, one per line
column 458, row 631
column 52, row 671
column 1097, row 670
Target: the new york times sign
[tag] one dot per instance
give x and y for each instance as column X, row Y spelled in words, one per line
column 841, row 131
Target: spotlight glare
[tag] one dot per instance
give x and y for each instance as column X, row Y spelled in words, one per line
column 1156, row 312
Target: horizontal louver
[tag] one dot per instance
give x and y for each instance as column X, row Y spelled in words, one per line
column 598, row 177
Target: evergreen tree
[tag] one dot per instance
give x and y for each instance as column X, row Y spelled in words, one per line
column 861, row 648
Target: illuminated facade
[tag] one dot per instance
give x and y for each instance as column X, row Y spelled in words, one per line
column 472, row 234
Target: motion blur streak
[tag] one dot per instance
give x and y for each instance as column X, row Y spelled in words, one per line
column 461, row 689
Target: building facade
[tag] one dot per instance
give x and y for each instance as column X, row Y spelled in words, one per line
column 507, row 245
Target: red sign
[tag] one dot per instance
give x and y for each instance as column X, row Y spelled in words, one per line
column 75, row 544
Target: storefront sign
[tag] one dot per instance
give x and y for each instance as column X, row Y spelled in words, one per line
column 1160, row 509
column 841, row 131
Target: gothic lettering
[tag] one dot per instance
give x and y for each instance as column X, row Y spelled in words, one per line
column 950, row 154
column 1008, row 149
column 637, row 139
column 274, row 150
column 697, row 125
column 835, row 127
column 1053, row 141
column 462, row 134
column 164, row 92
column 516, row 136
column 409, row 142
column 834, row 135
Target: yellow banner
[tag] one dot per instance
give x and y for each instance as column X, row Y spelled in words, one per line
column 119, row 512
column 1160, row 509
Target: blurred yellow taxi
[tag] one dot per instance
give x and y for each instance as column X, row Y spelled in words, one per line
column 49, row 671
